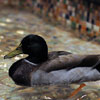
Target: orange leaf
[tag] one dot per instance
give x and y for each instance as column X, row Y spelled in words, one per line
column 77, row 90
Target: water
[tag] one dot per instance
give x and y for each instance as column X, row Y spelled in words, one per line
column 14, row 25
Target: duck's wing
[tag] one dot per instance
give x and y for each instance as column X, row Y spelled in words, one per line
column 71, row 61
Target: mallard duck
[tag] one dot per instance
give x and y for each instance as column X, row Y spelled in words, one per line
column 57, row 67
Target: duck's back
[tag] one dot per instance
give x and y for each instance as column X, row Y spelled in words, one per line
column 56, row 54
column 66, row 60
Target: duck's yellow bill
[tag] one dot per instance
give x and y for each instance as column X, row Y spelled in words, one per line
column 13, row 53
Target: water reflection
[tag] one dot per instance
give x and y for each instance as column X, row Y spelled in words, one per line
column 12, row 29
column 2, row 24
column 8, row 20
column 20, row 32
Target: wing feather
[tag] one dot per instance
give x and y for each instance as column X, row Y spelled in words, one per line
column 70, row 61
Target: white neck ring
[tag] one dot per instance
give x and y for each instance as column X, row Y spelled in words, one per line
column 30, row 62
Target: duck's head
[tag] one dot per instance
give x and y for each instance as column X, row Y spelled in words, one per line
column 33, row 45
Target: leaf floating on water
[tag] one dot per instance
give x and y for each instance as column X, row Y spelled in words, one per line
column 77, row 90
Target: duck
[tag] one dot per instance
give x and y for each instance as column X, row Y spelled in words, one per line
column 42, row 67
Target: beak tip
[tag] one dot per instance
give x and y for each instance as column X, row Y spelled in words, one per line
column 5, row 57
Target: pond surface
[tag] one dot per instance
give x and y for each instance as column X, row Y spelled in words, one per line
column 14, row 25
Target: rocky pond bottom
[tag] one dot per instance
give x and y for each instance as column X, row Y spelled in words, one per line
column 14, row 25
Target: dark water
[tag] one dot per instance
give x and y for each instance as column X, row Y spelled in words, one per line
column 14, row 25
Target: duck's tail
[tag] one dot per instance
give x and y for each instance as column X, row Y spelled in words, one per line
column 97, row 65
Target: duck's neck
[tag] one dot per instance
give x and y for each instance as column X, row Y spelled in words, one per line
column 37, row 60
